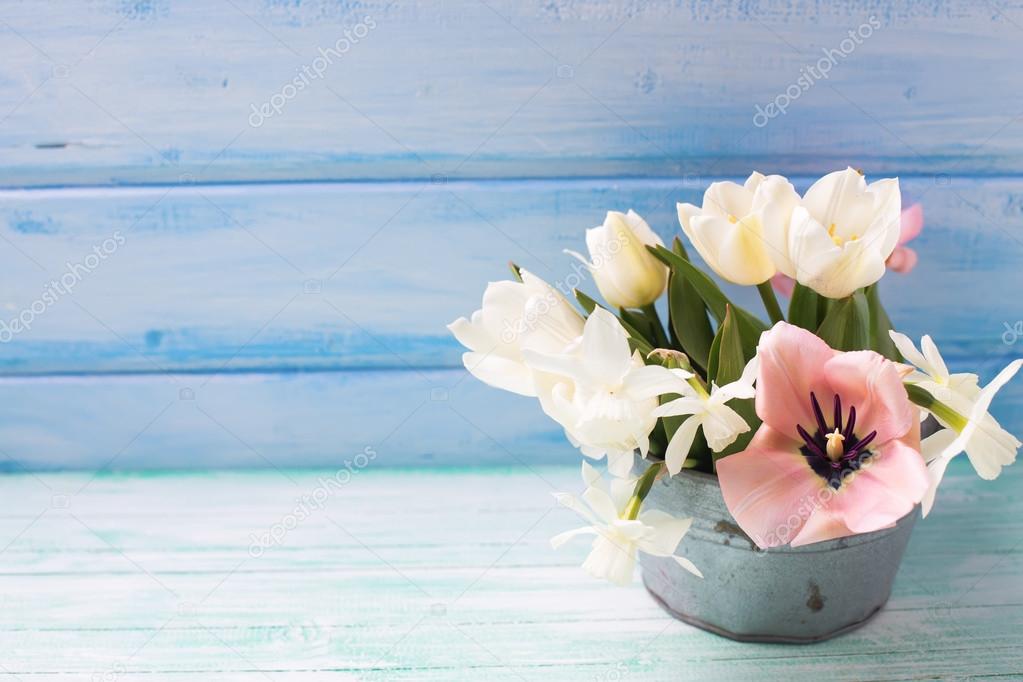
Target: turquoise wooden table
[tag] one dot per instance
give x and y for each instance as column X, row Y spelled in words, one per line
column 435, row 575
column 232, row 232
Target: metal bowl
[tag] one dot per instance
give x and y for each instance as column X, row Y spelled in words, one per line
column 785, row 594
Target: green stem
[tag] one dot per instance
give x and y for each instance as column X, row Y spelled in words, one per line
column 643, row 485
column 770, row 302
column 940, row 410
column 655, row 322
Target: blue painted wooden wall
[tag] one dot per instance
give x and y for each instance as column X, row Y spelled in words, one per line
column 269, row 210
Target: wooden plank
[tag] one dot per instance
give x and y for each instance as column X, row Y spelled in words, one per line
column 357, row 275
column 116, row 92
column 289, row 419
column 431, row 575
column 266, row 420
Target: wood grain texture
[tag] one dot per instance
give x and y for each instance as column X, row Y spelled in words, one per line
column 131, row 92
column 438, row 417
column 352, row 275
column 423, row 575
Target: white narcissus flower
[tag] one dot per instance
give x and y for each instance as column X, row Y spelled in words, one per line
column 721, row 424
column 988, row 446
column 741, row 229
column 515, row 316
column 842, row 233
column 613, row 553
column 602, row 393
column 627, row 275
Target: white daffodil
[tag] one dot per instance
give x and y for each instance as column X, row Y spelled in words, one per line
column 961, row 406
column 613, row 553
column 627, row 275
column 741, row 229
column 842, row 233
column 602, row 393
column 515, row 316
column 721, row 424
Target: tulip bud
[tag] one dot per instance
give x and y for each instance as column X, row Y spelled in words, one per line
column 627, row 275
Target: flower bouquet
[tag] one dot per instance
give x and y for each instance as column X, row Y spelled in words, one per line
column 791, row 452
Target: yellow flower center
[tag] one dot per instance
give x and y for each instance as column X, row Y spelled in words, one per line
column 732, row 219
column 837, row 238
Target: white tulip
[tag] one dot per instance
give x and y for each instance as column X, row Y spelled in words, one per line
column 741, row 230
column 601, row 393
column 627, row 275
column 988, row 446
column 842, row 233
column 515, row 316
column 613, row 553
column 721, row 424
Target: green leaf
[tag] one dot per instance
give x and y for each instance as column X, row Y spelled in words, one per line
column 717, row 303
column 713, row 357
column 687, row 315
column 516, row 270
column 847, row 324
column 730, row 362
column 585, row 301
column 803, row 308
column 730, row 358
column 639, row 322
column 636, row 340
column 880, row 325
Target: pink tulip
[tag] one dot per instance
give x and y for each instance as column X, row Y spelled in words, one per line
column 902, row 259
column 806, row 477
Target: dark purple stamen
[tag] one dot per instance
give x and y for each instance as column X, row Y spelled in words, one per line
column 821, row 425
column 815, row 445
column 851, row 423
column 864, row 442
column 808, row 439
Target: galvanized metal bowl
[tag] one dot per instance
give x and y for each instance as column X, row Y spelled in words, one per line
column 785, row 594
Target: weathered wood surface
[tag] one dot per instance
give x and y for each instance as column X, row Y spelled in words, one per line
column 336, row 276
column 120, row 91
column 427, row 575
column 419, row 418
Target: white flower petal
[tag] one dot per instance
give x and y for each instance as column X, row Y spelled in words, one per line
column 908, row 350
column 680, row 445
column 612, row 561
column 561, row 538
column 721, row 426
column 601, row 504
column 605, row 347
column 664, row 532
column 651, row 381
column 688, row 565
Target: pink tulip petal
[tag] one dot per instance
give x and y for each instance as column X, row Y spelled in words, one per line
column 902, row 260
column 783, row 284
column 769, row 488
column 792, row 364
column 912, row 223
column 822, row 525
column 873, row 385
column 890, row 483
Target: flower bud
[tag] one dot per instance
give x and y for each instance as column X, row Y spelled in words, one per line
column 627, row 275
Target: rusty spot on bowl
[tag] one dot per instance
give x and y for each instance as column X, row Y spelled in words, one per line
column 816, row 601
column 733, row 531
